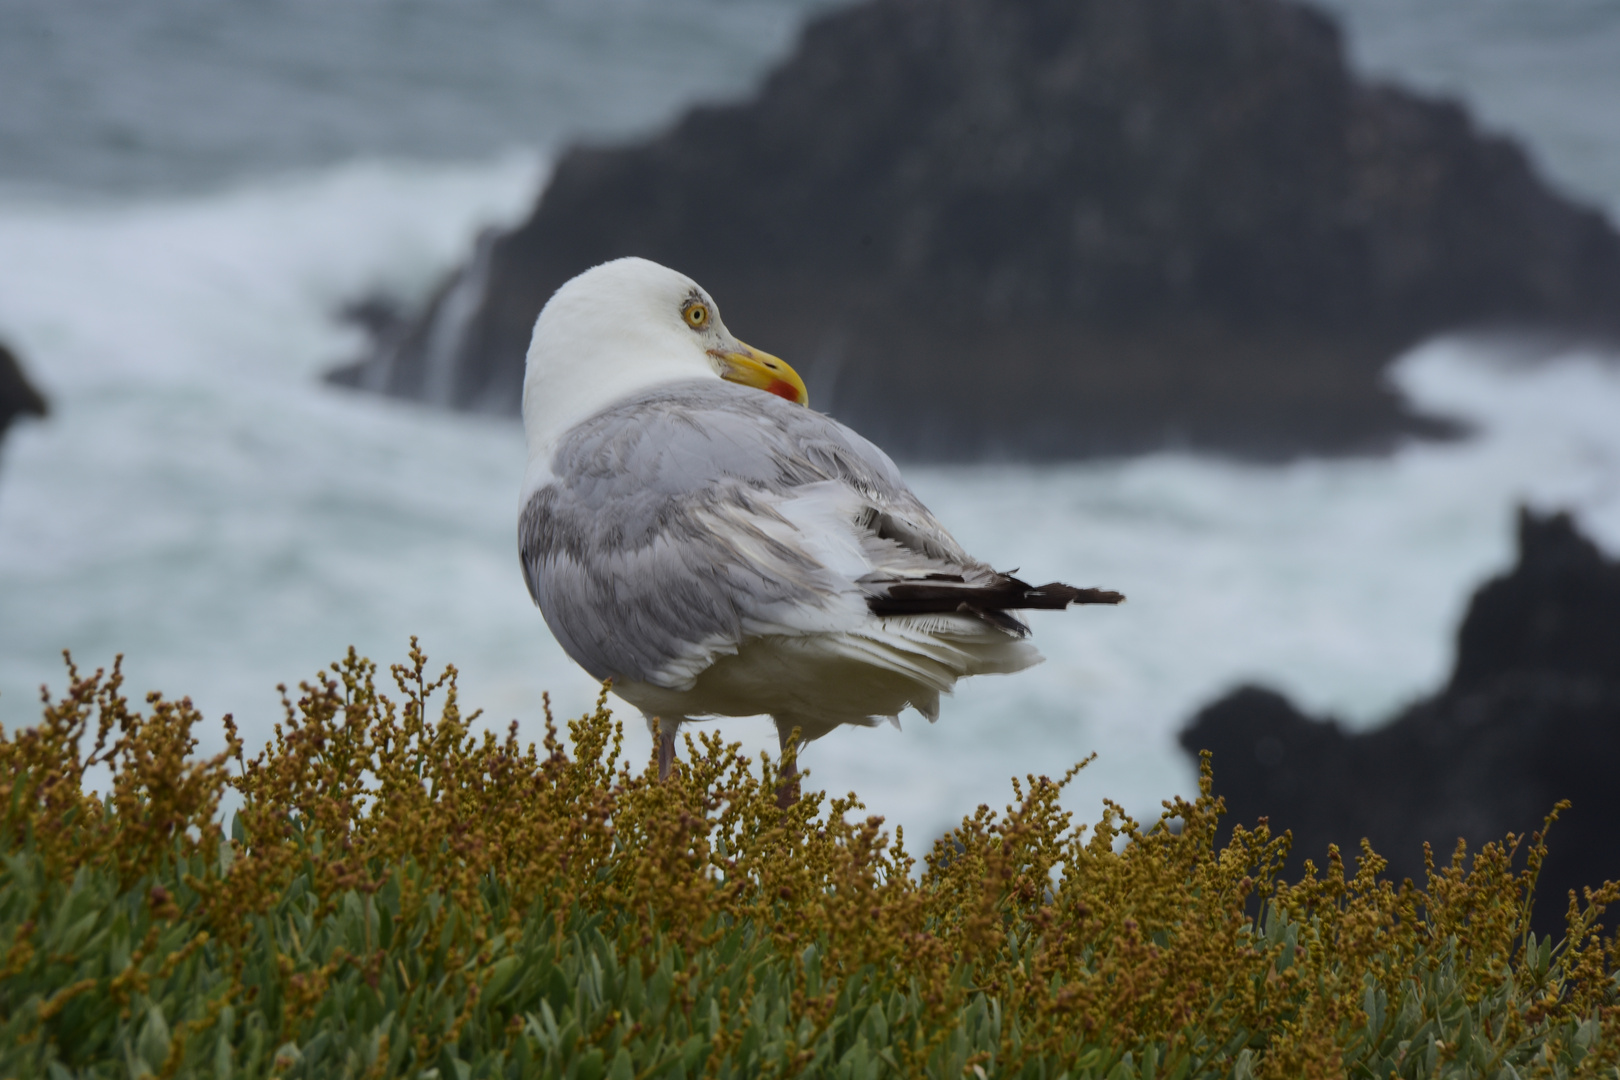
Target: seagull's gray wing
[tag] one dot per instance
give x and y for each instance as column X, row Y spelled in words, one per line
column 675, row 525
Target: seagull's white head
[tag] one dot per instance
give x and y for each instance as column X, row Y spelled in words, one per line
column 625, row 327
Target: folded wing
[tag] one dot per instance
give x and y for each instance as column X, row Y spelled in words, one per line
column 680, row 524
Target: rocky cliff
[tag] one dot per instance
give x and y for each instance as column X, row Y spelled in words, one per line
column 1531, row 715
column 17, row 397
column 1044, row 228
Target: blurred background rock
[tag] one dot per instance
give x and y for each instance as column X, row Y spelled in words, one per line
column 1049, row 229
column 1530, row 716
column 18, row 397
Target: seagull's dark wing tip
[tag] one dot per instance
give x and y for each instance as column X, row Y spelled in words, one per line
column 1068, row 594
column 988, row 602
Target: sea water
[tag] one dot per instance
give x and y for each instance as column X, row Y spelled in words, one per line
column 203, row 504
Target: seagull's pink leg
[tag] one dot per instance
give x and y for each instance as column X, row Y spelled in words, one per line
column 666, row 745
column 787, row 792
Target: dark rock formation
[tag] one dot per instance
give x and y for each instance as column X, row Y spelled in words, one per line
column 1530, row 716
column 1045, row 228
column 17, row 397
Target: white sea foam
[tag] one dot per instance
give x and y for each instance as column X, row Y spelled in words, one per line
column 201, row 503
column 198, row 500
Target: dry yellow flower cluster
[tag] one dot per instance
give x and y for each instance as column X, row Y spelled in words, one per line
column 399, row 895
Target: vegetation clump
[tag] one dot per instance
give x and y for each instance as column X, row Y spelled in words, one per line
column 399, row 895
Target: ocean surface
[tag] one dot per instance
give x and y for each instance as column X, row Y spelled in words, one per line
column 189, row 191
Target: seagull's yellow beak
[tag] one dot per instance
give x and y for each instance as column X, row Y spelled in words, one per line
column 750, row 367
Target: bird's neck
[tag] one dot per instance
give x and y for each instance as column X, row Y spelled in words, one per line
column 557, row 401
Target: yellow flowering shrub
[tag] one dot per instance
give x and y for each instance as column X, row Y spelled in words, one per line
column 401, row 896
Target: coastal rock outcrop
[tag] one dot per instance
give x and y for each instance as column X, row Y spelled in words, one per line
column 17, row 396
column 1531, row 715
column 1055, row 228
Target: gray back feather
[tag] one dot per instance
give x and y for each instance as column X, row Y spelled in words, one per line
column 656, row 542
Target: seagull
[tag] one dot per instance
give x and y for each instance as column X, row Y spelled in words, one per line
column 696, row 535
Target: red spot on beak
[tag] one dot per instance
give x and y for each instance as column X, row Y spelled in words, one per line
column 784, row 390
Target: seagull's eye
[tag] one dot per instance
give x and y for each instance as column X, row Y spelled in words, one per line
column 697, row 316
